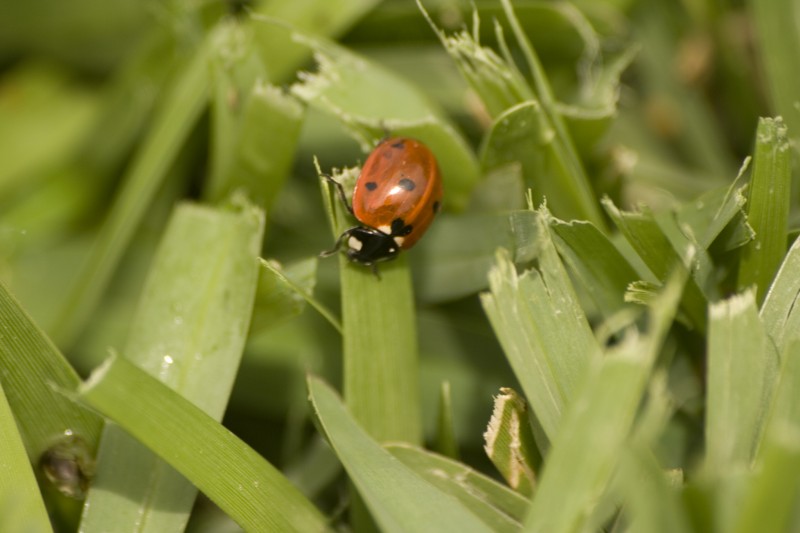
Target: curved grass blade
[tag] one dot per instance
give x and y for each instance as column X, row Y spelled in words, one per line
column 189, row 332
column 398, row 499
column 31, row 367
column 498, row 506
column 229, row 472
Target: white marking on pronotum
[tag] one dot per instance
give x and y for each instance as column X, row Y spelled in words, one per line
column 399, row 240
column 385, row 229
column 354, row 244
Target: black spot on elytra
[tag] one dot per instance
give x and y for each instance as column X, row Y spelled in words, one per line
column 436, row 207
column 399, row 228
column 399, row 144
column 407, row 184
column 371, row 185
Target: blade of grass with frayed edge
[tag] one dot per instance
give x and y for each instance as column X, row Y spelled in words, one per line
column 281, row 53
column 21, row 504
column 542, row 329
column 564, row 149
column 181, row 108
column 495, row 504
column 741, row 371
column 381, row 376
column 373, row 102
column 596, row 424
column 241, row 482
column 509, row 443
column 189, row 332
column 496, row 80
column 398, row 499
column 768, row 197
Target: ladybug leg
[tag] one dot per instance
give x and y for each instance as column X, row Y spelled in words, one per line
column 340, row 191
column 374, row 268
column 337, row 246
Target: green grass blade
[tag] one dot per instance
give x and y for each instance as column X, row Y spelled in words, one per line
column 398, row 499
column 767, row 207
column 780, row 314
column 542, row 329
column 281, row 53
column 229, row 472
column 771, row 499
column 651, row 243
column 524, row 134
column 742, row 365
column 498, row 506
column 31, row 366
column 445, row 440
column 508, row 441
column 182, row 106
column 381, row 376
column 584, row 453
column 21, row 505
column 380, row 350
column 594, row 260
column 770, row 504
column 189, row 332
column 283, row 291
column 256, row 126
column 370, row 100
column 596, row 424
column 785, row 406
column 779, row 45
column 496, row 80
column 716, row 210
column 652, row 503
column 564, row 149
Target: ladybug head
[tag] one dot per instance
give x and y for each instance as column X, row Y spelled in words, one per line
column 369, row 246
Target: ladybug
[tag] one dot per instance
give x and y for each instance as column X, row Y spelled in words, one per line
column 396, row 197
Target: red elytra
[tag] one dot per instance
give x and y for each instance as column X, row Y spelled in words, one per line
column 399, row 180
